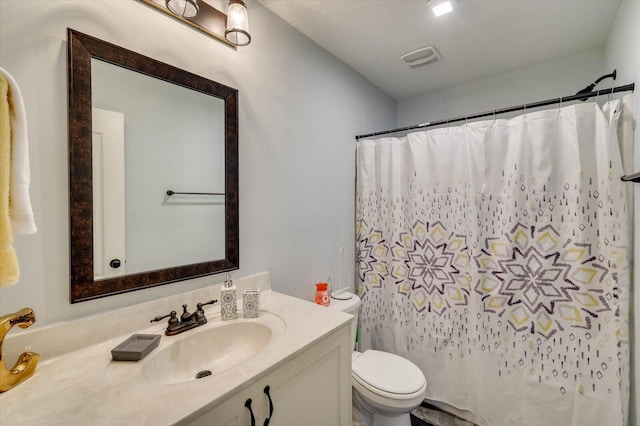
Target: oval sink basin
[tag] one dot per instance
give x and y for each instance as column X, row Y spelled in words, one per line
column 200, row 354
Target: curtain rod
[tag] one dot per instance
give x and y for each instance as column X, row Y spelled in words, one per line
column 581, row 96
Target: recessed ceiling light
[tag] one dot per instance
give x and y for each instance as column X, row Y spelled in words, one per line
column 441, row 7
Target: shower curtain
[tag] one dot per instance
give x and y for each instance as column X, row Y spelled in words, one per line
column 495, row 256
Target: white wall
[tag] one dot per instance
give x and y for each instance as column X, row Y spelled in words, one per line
column 623, row 53
column 548, row 80
column 300, row 109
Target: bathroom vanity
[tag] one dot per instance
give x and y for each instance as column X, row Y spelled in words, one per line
column 297, row 351
column 306, row 390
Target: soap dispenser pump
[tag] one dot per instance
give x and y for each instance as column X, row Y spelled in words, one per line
column 229, row 306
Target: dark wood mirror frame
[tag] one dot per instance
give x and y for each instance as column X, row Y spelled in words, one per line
column 81, row 49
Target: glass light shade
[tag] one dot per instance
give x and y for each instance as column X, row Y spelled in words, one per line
column 184, row 8
column 237, row 31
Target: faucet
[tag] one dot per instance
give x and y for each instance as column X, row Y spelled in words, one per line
column 25, row 366
column 187, row 320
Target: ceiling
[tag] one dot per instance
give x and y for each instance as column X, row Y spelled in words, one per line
column 480, row 38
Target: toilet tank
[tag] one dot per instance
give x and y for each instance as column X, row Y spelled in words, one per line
column 350, row 306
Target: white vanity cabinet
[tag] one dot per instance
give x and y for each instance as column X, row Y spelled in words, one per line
column 313, row 389
column 306, row 363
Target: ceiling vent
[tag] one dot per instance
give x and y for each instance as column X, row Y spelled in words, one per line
column 423, row 56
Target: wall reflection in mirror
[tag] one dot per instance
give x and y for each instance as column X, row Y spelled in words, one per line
column 153, row 128
column 171, row 139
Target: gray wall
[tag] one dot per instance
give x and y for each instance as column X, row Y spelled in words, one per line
column 548, row 80
column 300, row 109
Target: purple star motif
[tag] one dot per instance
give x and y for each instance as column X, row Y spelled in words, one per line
column 430, row 267
column 535, row 280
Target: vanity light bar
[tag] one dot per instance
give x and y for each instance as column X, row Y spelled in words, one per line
column 209, row 20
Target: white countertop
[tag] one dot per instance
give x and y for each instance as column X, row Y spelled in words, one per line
column 77, row 387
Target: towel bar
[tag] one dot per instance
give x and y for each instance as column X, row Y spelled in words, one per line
column 170, row 193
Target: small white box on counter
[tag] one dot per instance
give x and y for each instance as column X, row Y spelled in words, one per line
column 251, row 303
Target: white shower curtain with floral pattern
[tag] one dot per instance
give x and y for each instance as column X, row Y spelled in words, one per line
column 495, row 256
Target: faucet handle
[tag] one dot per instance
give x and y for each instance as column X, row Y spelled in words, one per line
column 201, row 304
column 172, row 314
column 173, row 323
column 172, row 320
column 200, row 317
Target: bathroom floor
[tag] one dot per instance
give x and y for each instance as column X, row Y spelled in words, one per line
column 427, row 415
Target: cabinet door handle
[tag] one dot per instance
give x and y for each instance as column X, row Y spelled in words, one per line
column 268, row 419
column 247, row 404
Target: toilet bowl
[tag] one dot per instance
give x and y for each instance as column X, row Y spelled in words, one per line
column 386, row 386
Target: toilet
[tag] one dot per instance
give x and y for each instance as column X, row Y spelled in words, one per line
column 386, row 387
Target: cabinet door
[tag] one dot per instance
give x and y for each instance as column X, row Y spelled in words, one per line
column 313, row 389
column 231, row 412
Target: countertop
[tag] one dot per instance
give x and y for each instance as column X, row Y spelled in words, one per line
column 77, row 387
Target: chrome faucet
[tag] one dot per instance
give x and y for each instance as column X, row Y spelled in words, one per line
column 187, row 320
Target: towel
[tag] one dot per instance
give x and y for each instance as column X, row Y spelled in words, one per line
column 16, row 215
column 20, row 212
column 9, row 272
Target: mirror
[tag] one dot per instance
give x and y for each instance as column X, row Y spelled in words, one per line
column 153, row 171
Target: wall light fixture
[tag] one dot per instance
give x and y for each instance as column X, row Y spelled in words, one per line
column 237, row 31
column 231, row 28
column 184, row 8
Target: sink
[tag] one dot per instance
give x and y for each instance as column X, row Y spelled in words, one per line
column 199, row 353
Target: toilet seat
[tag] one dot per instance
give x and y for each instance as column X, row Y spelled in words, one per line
column 388, row 375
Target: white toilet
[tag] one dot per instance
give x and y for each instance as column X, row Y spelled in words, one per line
column 385, row 385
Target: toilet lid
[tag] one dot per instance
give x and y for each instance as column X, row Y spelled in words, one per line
column 388, row 372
